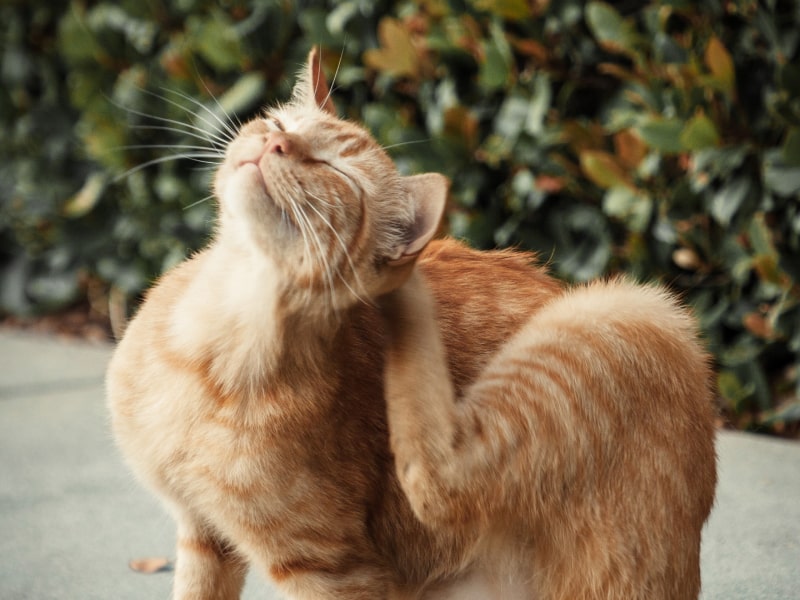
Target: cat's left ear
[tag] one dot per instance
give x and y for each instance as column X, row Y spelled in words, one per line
column 428, row 194
column 312, row 88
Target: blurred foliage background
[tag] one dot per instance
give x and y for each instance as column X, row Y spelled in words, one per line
column 660, row 139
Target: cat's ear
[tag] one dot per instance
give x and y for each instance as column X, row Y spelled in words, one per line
column 312, row 87
column 428, row 194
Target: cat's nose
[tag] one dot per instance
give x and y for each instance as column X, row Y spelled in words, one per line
column 278, row 143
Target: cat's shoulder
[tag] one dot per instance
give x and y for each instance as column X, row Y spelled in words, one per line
column 452, row 260
column 451, row 250
column 160, row 299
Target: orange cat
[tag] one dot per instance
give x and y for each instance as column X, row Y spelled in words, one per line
column 357, row 412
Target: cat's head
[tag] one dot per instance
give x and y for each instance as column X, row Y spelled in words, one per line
column 323, row 201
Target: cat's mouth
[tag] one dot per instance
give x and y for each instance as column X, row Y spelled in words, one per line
column 254, row 171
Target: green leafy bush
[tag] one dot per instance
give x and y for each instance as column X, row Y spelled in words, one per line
column 660, row 139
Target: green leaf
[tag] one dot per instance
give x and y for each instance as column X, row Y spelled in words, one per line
column 780, row 177
column 495, row 69
column 583, row 241
column 603, row 169
column 742, row 352
column 790, row 151
column 510, row 120
column 539, row 105
column 663, row 135
column 630, row 206
column 216, row 40
column 760, row 236
column 245, row 94
column 76, row 43
column 718, row 162
column 732, row 389
column 339, row 17
column 766, row 261
column 727, row 201
column 699, row 133
column 612, row 31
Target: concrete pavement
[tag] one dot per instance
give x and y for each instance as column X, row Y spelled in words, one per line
column 71, row 516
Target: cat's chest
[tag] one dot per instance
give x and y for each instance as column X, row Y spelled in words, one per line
column 269, row 492
column 234, row 455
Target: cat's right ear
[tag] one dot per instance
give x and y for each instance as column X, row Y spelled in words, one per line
column 428, row 194
column 312, row 88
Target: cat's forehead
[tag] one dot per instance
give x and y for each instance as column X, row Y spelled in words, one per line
column 317, row 123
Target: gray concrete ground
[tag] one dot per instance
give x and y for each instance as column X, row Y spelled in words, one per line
column 71, row 516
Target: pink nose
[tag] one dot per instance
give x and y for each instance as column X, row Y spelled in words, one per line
column 278, row 143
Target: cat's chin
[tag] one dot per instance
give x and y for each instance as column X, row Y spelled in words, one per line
column 252, row 178
column 247, row 183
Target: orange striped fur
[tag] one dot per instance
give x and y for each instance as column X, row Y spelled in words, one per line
column 358, row 412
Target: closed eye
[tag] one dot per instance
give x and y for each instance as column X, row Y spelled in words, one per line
column 344, row 175
column 275, row 122
column 336, row 170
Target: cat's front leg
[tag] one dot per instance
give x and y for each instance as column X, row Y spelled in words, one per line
column 206, row 568
column 444, row 475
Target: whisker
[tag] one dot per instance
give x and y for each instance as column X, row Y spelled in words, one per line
column 163, row 159
column 183, row 127
column 227, row 129
column 341, row 243
column 232, row 131
column 300, row 225
column 193, row 204
column 320, row 251
column 406, row 143
column 213, row 144
column 306, row 229
column 203, row 149
column 333, row 80
column 217, row 132
column 323, row 261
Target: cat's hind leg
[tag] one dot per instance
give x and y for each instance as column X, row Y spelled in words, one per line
column 592, row 430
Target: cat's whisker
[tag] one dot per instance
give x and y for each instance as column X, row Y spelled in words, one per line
column 198, row 202
column 226, row 128
column 398, row 144
column 204, row 149
column 320, row 252
column 284, row 219
column 343, row 246
column 210, row 143
column 300, row 226
column 219, row 128
column 303, row 226
column 231, row 119
column 162, row 159
column 180, row 126
column 317, row 246
column 333, row 80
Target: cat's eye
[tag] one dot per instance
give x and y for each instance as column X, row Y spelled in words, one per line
column 275, row 122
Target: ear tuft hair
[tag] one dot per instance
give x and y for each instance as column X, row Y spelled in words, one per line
column 312, row 86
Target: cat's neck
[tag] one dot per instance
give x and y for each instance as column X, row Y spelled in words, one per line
column 235, row 319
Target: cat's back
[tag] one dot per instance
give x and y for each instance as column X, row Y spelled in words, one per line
column 482, row 298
